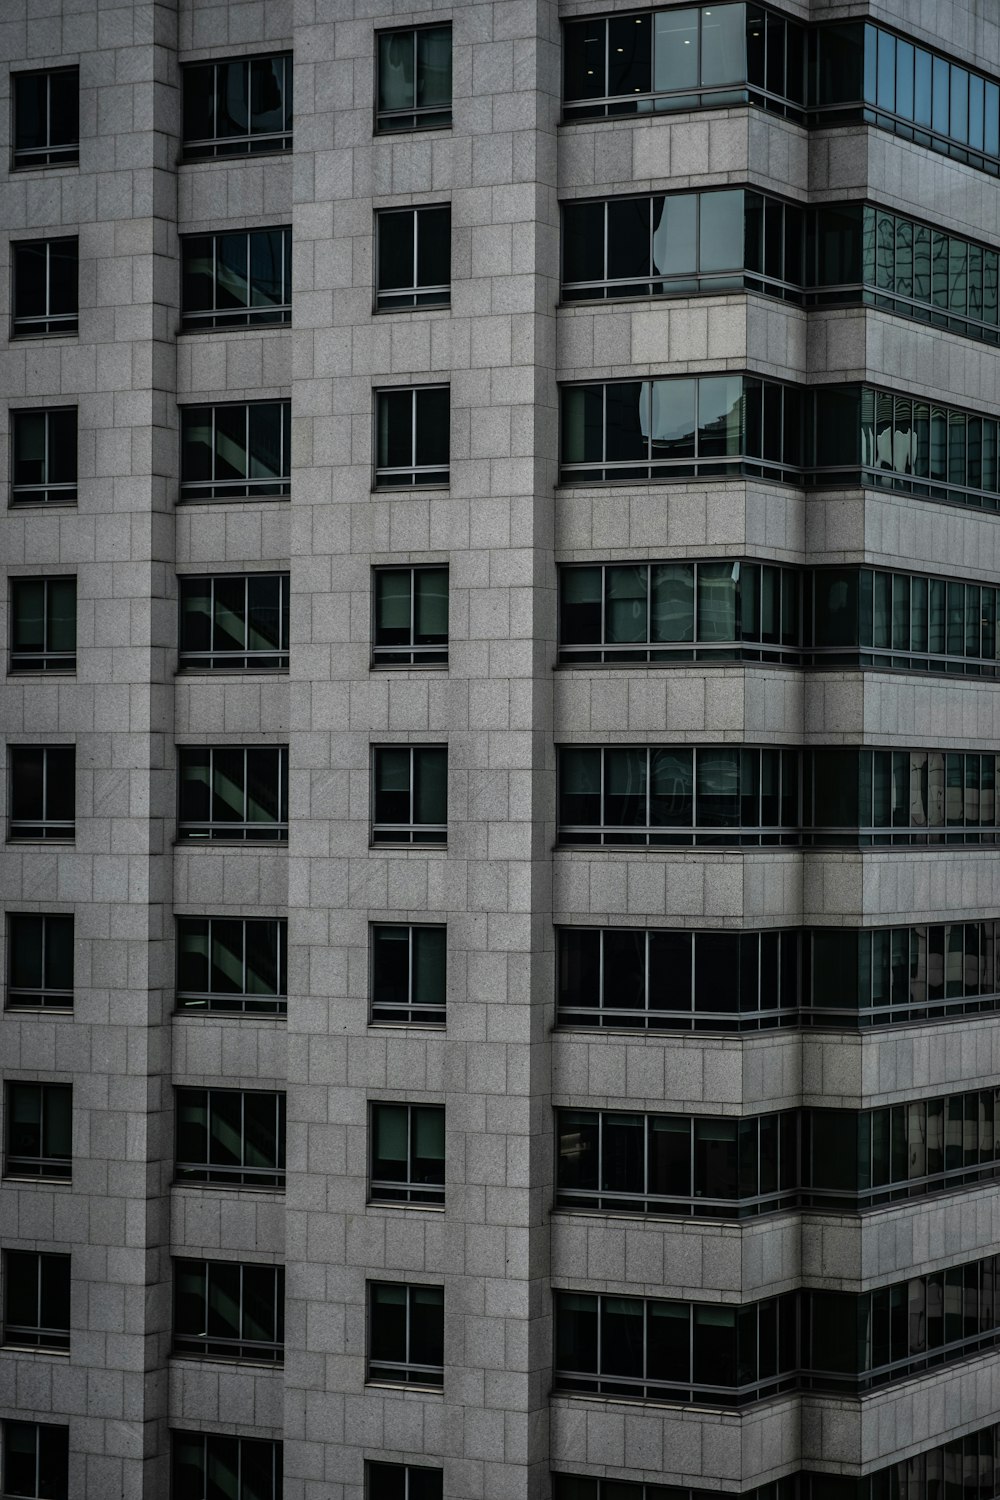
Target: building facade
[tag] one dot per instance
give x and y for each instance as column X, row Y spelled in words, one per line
column 499, row 565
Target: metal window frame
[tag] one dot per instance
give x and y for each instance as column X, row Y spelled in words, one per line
column 214, row 1346
column 217, row 659
column 249, row 316
column 417, row 295
column 408, row 1194
column 407, row 1471
column 242, row 1176
column 46, row 493
column 50, row 830
column 252, row 143
column 245, row 1001
column 396, row 121
column 205, row 1438
column 24, row 663
column 38, row 1335
column 63, row 1000
column 48, row 324
column 239, row 830
column 412, row 475
column 409, row 655
column 407, row 1371
column 42, row 1167
column 247, row 488
column 388, row 835
column 384, row 1013
column 47, row 155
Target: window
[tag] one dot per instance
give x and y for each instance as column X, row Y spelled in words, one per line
column 961, row 1460
column 236, row 279
column 237, row 451
column 694, row 58
column 231, row 1137
column 411, row 794
column 42, row 792
column 36, row 1300
column 616, row 1162
column 585, row 1487
column 224, row 1310
column 402, row 1482
column 35, row 1461
column 414, row 79
column 405, row 1333
column 47, row 118
column 208, row 1466
column 39, row 1130
column 678, row 796
column 629, row 430
column 235, row 622
column 408, row 975
column 233, row 792
column 232, row 964
column 45, row 287
column 412, row 436
column 729, row 610
column 239, row 107
column 407, row 1153
column 39, row 961
column 868, row 798
column 411, row 617
column 885, row 975
column 413, row 257
column 625, row 977
column 44, row 471
column 43, row 624
column 632, row 1348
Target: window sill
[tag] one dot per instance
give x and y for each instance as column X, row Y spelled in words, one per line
column 433, row 1208
column 274, row 325
column 409, row 848
column 254, row 845
column 226, row 1360
column 228, row 1187
column 408, row 666
column 424, row 490
column 403, row 1388
column 38, row 1010
column 206, row 1013
column 11, row 1347
column 16, row 337
column 33, row 1180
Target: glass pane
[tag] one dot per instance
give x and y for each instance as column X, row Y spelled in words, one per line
column 718, row 585
column 430, row 792
column 628, row 239
column 434, row 66
column 265, row 433
column 672, row 418
column 626, row 590
column 395, row 70
column 672, row 608
column 232, row 112
column 395, row 249
column 719, row 411
column 723, row 45
column 231, row 287
column 266, row 268
column 675, row 236
column 432, row 418
column 676, row 50
column 431, row 606
column 722, row 224
column 434, row 246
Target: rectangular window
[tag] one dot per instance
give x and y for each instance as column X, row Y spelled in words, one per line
column 410, row 794
column 408, row 975
column 42, row 792
column 36, row 1300
column 39, row 1131
column 237, row 451
column 402, row 1482
column 231, row 1137
column 405, row 1334
column 47, row 118
column 43, row 624
column 407, row 1153
column 412, row 438
column 44, row 467
column 39, row 961
column 413, row 257
column 225, row 1310
column 233, row 792
column 35, row 1461
column 238, row 107
column 45, row 280
column 238, row 279
column 235, row 622
column 411, row 617
column 413, row 86
column 209, row 1466
column 232, row 964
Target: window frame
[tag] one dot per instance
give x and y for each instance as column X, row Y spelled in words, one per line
column 43, row 829
column 430, row 117
column 213, row 147
column 377, row 1491
column 220, row 659
column 242, row 831
column 243, row 1002
column 409, row 655
column 39, row 1336
column 247, row 487
column 411, row 1012
column 412, row 475
column 225, row 1347
column 411, row 1373
column 45, row 1167
column 248, row 316
column 239, row 1175
column 210, row 1439
column 59, row 154
column 49, row 492
column 408, row 834
column 418, row 296
column 63, row 999
column 51, row 1445
column 30, row 663
column 48, row 324
column 410, row 1192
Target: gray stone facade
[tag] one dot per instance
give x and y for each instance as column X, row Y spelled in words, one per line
column 500, row 706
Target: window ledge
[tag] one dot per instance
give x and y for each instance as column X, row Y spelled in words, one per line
column 200, row 1014
column 15, row 1348
column 226, row 1187
column 401, row 1389
column 32, row 1181
column 423, row 1208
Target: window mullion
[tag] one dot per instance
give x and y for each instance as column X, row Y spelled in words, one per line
column 416, row 252
column 413, row 431
column 413, row 607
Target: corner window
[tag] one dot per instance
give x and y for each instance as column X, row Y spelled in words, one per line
column 233, row 792
column 413, row 257
column 47, row 118
column 225, row 1310
column 407, row 1153
column 408, row 967
column 36, row 1300
column 413, row 89
column 44, row 470
column 411, row 617
column 237, row 279
column 412, row 438
column 237, row 451
column 238, row 107
column 42, row 792
column 39, row 1131
column 234, row 622
column 232, row 964
column 208, row 1464
column 46, row 275
column 405, row 1333
column 231, row 1137
column 43, row 624
column 402, row 1482
column 410, row 794
column 35, row 1461
column 39, row 961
